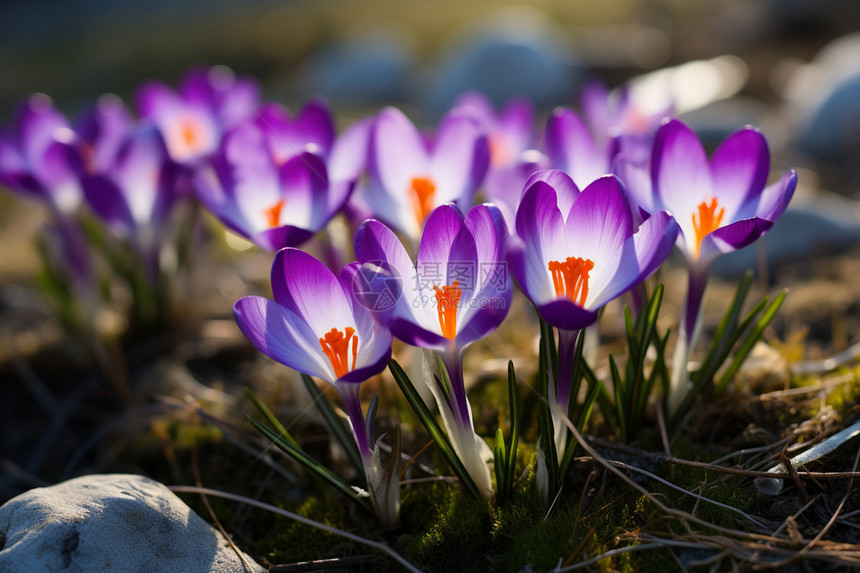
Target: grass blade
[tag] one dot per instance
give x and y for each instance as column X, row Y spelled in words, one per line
column 500, row 465
column 514, row 400
column 311, row 464
column 338, row 429
column 433, row 428
column 270, row 417
column 748, row 343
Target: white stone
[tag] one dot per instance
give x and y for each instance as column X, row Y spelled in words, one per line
column 114, row 523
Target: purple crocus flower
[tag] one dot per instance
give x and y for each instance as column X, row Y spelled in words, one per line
column 315, row 326
column 721, row 205
column 134, row 194
column 410, row 178
column 457, row 292
column 192, row 120
column 33, row 158
column 617, row 121
column 101, row 132
column 311, row 130
column 35, row 161
column 273, row 205
column 575, row 251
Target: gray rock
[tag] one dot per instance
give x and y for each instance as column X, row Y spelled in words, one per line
column 520, row 52
column 824, row 101
column 111, row 523
column 366, row 68
column 822, row 224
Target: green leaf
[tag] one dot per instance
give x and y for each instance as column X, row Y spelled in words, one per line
column 500, row 465
column 335, row 424
column 545, row 423
column 311, row 464
column 432, row 427
column 270, row 417
column 514, row 399
column 748, row 343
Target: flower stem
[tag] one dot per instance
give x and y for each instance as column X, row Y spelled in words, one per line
column 566, row 365
column 352, row 402
column 688, row 333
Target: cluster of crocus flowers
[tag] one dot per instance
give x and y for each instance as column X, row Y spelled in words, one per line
column 620, row 195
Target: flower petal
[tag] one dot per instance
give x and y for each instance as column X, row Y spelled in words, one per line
column 306, row 286
column 599, row 221
column 680, row 171
column 571, row 147
column 460, row 159
column 739, row 168
column 282, row 335
column 639, row 257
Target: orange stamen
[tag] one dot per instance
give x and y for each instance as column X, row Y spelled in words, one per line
column 447, row 299
column 335, row 345
column 189, row 135
column 273, row 214
column 570, row 278
column 423, row 190
column 709, row 220
column 500, row 153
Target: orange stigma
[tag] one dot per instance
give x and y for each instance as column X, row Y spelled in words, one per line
column 500, row 152
column 190, row 137
column 423, row 190
column 335, row 345
column 570, row 278
column 709, row 220
column 447, row 299
column 273, row 214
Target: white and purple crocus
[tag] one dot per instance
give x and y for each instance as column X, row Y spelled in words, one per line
column 457, row 292
column 410, row 175
column 721, row 205
column 315, row 326
column 276, row 196
column 575, row 251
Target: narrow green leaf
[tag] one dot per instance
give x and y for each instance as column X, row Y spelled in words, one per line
column 621, row 397
column 338, row 429
column 270, row 417
column 748, row 343
column 500, row 465
column 514, row 400
column 310, row 464
column 727, row 324
column 432, row 427
column 545, row 423
column 595, row 387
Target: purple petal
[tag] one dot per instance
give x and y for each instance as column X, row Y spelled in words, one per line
column 564, row 314
column 37, row 121
column 376, row 243
column 565, row 189
column 739, row 169
column 306, row 286
column 108, row 202
column 282, row 335
column 348, row 158
column 599, row 221
column 733, row 236
column 314, row 125
column 679, row 171
column 277, row 238
column 637, row 181
column 460, row 159
column 103, row 129
column 775, row 197
column 639, row 257
column 397, row 151
column 141, row 172
column 571, row 147
column 541, row 228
